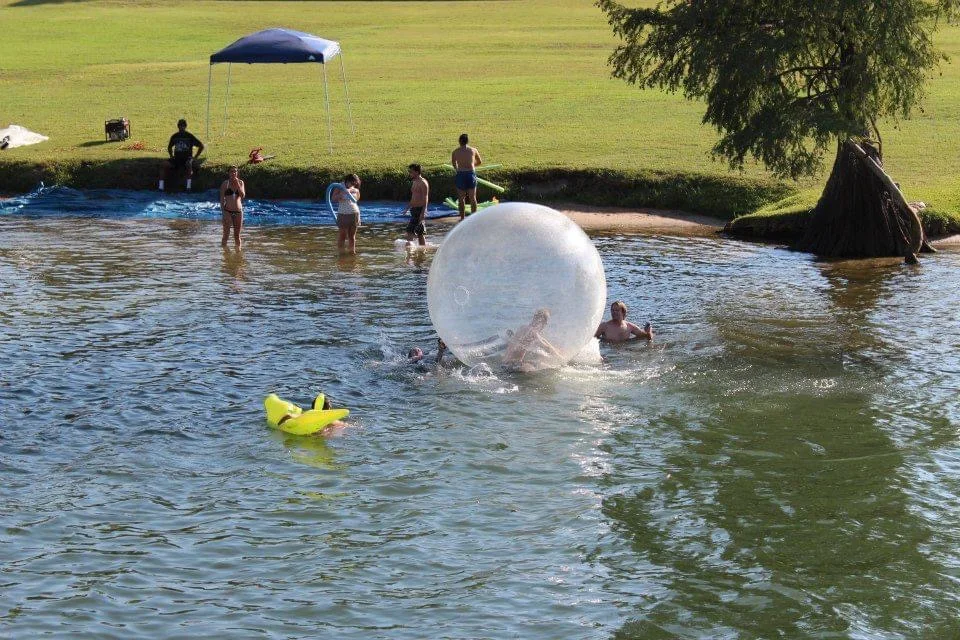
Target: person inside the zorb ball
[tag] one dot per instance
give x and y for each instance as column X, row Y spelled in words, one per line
column 527, row 350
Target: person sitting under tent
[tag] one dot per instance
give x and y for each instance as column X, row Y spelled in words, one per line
column 180, row 150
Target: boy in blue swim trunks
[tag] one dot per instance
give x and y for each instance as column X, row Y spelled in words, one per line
column 465, row 160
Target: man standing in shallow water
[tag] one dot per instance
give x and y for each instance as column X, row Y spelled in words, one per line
column 465, row 160
column 617, row 329
column 419, row 197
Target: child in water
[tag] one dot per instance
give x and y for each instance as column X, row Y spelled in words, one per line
column 348, row 213
column 416, row 355
column 529, row 341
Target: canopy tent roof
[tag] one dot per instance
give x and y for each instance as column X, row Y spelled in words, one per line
column 278, row 45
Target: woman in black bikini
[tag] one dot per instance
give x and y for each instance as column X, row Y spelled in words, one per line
column 232, row 193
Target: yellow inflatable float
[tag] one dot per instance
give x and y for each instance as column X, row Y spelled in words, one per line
column 290, row 418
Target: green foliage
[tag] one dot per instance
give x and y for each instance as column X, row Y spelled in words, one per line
column 782, row 79
column 785, row 219
column 720, row 196
column 533, row 90
column 940, row 223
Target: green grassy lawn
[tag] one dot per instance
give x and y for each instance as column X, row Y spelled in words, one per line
column 526, row 78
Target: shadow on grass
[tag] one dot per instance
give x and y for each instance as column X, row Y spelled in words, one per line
column 93, row 143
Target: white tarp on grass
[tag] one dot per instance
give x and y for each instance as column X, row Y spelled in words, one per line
column 20, row 137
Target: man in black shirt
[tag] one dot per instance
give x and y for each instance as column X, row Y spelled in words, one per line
column 180, row 150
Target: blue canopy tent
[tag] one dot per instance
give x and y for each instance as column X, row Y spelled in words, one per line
column 280, row 46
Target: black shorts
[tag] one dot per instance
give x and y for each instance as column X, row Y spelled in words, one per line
column 416, row 226
column 180, row 162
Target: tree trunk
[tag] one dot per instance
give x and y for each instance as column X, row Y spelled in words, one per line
column 862, row 213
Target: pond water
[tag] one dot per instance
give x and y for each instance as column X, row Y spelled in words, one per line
column 782, row 461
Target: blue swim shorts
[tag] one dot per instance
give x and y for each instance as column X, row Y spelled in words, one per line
column 466, row 180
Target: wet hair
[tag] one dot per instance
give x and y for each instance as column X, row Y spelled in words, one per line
column 464, row 138
column 543, row 315
column 351, row 177
column 414, row 352
column 415, row 167
column 619, row 305
column 182, row 123
column 326, row 403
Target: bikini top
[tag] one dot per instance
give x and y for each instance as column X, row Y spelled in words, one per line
column 228, row 192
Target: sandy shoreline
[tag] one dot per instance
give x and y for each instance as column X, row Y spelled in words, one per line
column 662, row 221
column 622, row 220
column 643, row 220
column 669, row 222
column 627, row 220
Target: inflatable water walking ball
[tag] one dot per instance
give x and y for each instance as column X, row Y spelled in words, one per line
column 519, row 285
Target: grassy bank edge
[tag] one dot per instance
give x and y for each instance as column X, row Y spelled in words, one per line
column 785, row 220
column 721, row 196
column 755, row 208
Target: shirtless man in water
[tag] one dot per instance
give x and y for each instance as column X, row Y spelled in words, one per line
column 465, row 160
column 527, row 341
column 617, row 329
column 419, row 196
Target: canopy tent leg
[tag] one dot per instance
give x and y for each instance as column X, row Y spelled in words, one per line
column 226, row 99
column 326, row 99
column 346, row 93
column 209, row 87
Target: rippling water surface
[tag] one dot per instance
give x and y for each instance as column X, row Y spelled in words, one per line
column 782, row 462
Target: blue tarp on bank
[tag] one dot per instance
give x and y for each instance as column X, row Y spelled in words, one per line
column 279, row 46
column 112, row 204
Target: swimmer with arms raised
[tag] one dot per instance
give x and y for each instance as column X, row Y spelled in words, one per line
column 465, row 160
column 617, row 329
column 527, row 341
column 232, row 193
column 416, row 356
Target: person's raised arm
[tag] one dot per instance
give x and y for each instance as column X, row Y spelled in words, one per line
column 549, row 347
column 645, row 334
column 242, row 191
